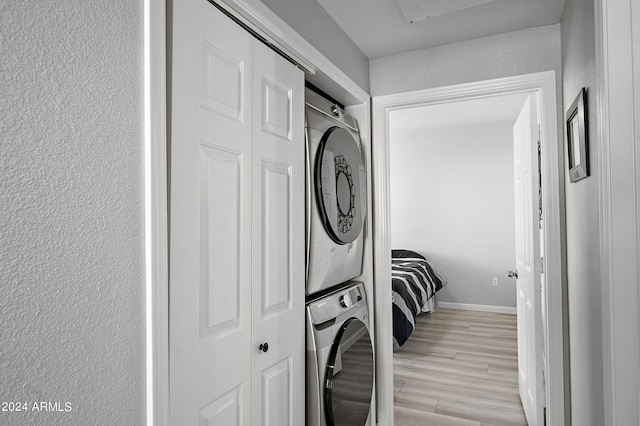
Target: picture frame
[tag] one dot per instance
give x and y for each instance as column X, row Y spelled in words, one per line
column 577, row 138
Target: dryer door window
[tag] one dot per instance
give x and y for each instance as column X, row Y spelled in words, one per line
column 349, row 376
column 339, row 175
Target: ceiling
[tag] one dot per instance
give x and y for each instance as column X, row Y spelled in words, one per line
column 388, row 27
column 461, row 113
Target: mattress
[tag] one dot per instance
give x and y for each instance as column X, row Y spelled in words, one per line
column 414, row 284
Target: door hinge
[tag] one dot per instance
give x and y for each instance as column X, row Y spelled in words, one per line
column 540, row 265
column 539, row 132
column 539, row 177
column 544, row 415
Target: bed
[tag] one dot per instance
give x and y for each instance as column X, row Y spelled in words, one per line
column 414, row 285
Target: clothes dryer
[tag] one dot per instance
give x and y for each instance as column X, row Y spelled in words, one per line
column 340, row 359
column 336, row 195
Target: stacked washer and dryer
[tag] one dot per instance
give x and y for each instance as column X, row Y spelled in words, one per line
column 340, row 362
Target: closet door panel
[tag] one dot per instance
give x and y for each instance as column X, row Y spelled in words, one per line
column 220, row 234
column 275, row 393
column 276, row 256
column 278, row 245
column 210, row 218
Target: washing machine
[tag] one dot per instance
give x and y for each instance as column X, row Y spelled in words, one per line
column 340, row 359
column 336, row 195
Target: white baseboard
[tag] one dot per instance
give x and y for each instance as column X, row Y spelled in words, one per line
column 481, row 308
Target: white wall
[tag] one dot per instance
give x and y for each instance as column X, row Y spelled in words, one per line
column 583, row 256
column 504, row 55
column 312, row 22
column 71, row 211
column 452, row 200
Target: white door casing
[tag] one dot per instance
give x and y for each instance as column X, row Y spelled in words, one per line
column 234, row 264
column 528, row 264
column 544, row 84
column 618, row 169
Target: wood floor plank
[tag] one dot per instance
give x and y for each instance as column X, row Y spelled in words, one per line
column 402, row 359
column 482, row 414
column 410, row 417
column 468, row 340
column 507, row 333
column 456, row 394
column 424, row 327
column 456, row 373
column 459, row 366
column 414, row 401
column 492, row 360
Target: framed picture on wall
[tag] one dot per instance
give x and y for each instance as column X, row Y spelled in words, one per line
column 577, row 138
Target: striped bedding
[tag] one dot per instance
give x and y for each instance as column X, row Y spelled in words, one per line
column 414, row 282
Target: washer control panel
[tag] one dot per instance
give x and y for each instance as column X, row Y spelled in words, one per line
column 335, row 304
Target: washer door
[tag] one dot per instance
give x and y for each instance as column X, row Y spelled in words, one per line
column 349, row 376
column 339, row 170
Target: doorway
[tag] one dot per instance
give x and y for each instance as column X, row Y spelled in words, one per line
column 453, row 200
column 543, row 85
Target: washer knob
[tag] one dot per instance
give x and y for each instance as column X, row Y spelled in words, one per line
column 345, row 301
column 336, row 111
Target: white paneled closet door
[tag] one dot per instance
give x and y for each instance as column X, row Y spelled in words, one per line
column 278, row 240
column 236, row 226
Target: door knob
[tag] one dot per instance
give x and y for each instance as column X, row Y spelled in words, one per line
column 264, row 347
column 512, row 274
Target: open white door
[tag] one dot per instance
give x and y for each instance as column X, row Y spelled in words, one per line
column 528, row 263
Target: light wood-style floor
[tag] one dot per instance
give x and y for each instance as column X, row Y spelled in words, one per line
column 459, row 368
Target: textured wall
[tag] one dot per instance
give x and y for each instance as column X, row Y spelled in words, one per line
column 504, row 55
column 311, row 21
column 71, row 212
column 583, row 258
column 452, row 200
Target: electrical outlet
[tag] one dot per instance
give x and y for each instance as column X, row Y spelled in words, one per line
column 494, row 282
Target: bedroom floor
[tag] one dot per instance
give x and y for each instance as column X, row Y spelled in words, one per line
column 459, row 368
